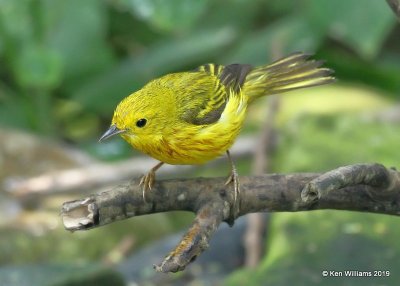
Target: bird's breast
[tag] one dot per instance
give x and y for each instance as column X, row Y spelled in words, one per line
column 193, row 145
column 189, row 144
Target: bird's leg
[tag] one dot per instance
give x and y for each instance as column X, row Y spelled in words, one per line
column 147, row 181
column 233, row 178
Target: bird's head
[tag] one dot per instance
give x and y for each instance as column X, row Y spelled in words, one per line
column 141, row 116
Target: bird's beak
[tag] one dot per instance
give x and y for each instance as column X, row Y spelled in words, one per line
column 113, row 130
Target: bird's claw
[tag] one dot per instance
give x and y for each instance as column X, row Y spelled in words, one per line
column 147, row 181
column 234, row 178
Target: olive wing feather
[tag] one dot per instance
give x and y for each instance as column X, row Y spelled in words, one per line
column 209, row 89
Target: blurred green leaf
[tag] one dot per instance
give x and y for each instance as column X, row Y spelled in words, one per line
column 363, row 25
column 84, row 126
column 74, row 33
column 240, row 15
column 77, row 30
column 37, row 67
column 104, row 92
column 169, row 16
column 15, row 20
column 286, row 35
column 14, row 111
column 283, row 7
column 320, row 143
column 385, row 74
column 125, row 40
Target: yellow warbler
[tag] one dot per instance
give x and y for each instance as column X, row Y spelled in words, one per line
column 193, row 117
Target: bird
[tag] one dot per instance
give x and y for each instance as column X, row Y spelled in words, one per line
column 192, row 117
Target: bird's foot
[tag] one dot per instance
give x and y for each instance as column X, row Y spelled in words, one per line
column 147, row 182
column 234, row 179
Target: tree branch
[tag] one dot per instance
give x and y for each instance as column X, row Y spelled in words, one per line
column 361, row 187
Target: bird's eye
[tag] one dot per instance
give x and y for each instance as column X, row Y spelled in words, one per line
column 141, row 122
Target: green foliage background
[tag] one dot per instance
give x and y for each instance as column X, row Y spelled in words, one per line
column 65, row 64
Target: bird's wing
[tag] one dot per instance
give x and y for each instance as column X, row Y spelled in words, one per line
column 209, row 89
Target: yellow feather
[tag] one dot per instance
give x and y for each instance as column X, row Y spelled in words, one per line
column 194, row 117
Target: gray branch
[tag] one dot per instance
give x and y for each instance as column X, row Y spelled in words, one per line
column 361, row 187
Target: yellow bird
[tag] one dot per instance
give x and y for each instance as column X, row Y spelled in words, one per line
column 193, row 117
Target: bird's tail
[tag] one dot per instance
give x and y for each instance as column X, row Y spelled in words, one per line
column 292, row 72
